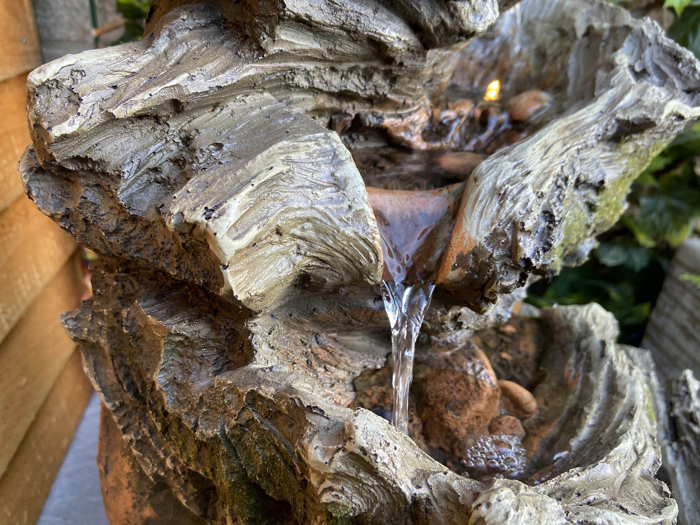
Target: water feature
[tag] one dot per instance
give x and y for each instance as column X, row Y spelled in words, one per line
column 405, row 305
column 415, row 225
column 414, row 228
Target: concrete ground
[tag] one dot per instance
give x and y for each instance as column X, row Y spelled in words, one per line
column 75, row 497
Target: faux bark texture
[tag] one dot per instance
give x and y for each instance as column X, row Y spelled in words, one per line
column 683, row 445
column 236, row 331
column 618, row 99
column 249, row 426
column 129, row 494
column 677, row 409
column 187, row 152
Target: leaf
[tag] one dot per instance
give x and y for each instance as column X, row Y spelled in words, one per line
column 687, row 144
column 538, row 301
column 677, row 5
column 613, row 254
column 659, row 163
column 664, row 218
column 632, row 314
column 693, row 278
column 646, row 180
column 666, row 213
column 640, row 235
column 686, row 29
column 688, row 135
column 132, row 32
column 133, row 9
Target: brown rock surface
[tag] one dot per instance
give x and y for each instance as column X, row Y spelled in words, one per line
column 130, row 496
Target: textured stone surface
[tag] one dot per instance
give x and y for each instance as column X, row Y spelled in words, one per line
column 677, row 409
column 684, row 415
column 143, row 137
column 256, row 429
column 235, row 307
column 129, row 494
column 621, row 91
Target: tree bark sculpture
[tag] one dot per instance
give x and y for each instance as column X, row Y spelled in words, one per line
column 233, row 169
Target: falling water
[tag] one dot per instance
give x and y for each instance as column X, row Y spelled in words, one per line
column 414, row 227
column 405, row 305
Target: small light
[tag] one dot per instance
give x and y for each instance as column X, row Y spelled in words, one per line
column 492, row 91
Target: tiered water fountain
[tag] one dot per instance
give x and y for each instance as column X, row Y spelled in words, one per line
column 277, row 190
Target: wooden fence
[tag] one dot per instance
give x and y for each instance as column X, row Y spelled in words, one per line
column 43, row 389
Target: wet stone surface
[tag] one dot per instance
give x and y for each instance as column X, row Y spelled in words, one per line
column 449, row 145
column 469, row 407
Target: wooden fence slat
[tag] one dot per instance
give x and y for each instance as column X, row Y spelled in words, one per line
column 672, row 332
column 33, row 355
column 27, row 481
column 19, row 43
column 38, row 254
column 19, row 223
column 14, row 136
column 43, row 389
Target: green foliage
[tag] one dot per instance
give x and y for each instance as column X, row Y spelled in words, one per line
column 677, row 5
column 686, row 27
column 665, row 199
column 133, row 9
column 627, row 293
column 134, row 13
column 612, row 254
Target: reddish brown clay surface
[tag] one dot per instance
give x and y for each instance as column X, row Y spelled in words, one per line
column 527, row 104
column 130, row 497
column 478, row 419
column 414, row 227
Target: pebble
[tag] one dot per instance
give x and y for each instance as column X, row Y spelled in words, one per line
column 523, row 106
column 507, row 329
column 509, row 425
column 517, row 399
column 460, row 162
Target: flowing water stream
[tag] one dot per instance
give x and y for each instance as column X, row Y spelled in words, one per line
column 405, row 305
column 413, row 227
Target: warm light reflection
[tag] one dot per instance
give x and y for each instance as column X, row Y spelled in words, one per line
column 492, row 90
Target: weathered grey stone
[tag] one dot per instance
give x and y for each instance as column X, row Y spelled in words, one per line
column 683, row 444
column 677, row 408
column 621, row 92
column 140, row 123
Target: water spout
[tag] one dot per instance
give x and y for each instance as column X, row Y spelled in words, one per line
column 414, row 229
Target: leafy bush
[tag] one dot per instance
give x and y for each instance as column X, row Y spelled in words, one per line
column 134, row 13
